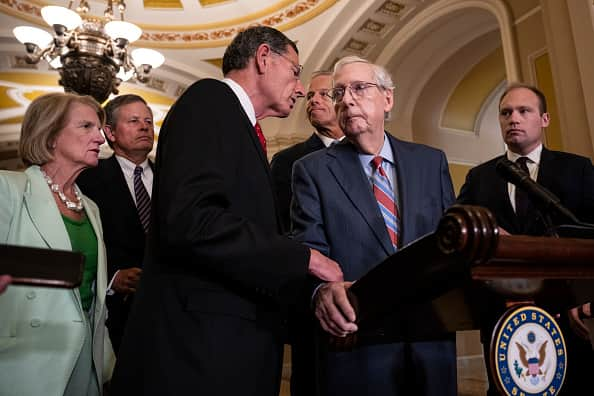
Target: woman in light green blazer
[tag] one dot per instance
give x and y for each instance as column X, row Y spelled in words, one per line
column 53, row 341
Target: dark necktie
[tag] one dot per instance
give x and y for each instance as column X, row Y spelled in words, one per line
column 522, row 200
column 385, row 199
column 261, row 137
column 143, row 201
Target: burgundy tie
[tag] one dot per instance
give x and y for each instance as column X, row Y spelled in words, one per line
column 261, row 137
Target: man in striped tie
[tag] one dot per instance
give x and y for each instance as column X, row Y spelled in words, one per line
column 359, row 202
column 121, row 186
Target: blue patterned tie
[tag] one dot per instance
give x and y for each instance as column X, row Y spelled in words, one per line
column 143, row 201
column 385, row 199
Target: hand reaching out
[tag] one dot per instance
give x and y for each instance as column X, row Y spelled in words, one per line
column 323, row 267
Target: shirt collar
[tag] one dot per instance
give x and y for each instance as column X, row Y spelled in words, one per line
column 386, row 153
column 327, row 140
column 244, row 99
column 129, row 166
column 533, row 156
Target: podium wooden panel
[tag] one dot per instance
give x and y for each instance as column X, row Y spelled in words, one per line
column 466, row 246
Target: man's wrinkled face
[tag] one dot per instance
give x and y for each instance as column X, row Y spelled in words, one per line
column 364, row 103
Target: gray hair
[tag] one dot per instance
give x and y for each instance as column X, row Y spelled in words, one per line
column 380, row 74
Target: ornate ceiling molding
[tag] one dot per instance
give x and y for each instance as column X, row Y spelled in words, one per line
column 284, row 15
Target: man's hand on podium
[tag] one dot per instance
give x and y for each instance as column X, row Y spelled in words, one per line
column 333, row 309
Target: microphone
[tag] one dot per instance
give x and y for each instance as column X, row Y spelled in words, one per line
column 542, row 198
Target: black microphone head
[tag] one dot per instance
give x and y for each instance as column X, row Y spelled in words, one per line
column 511, row 172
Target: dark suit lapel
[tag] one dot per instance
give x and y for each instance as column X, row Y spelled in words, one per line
column 346, row 169
column 116, row 179
column 544, row 176
column 314, row 143
column 536, row 225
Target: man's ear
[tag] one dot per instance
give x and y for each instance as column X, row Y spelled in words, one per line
column 545, row 120
column 262, row 57
column 389, row 100
column 108, row 132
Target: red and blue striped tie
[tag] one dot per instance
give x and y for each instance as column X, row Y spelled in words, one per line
column 384, row 194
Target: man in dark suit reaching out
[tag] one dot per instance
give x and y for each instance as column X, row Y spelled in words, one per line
column 130, row 133
column 522, row 117
column 218, row 276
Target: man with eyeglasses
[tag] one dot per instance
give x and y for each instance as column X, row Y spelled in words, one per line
column 321, row 115
column 218, row 276
column 358, row 203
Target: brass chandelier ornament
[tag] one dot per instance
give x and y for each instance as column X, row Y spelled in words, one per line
column 91, row 54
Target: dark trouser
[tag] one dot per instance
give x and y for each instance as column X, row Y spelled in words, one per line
column 400, row 369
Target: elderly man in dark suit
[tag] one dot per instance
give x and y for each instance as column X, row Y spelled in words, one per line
column 218, row 276
column 130, row 133
column 358, row 202
column 522, row 117
column 321, row 115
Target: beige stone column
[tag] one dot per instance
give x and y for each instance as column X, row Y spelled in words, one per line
column 569, row 40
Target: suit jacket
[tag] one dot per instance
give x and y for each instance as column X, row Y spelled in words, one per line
column 281, row 168
column 570, row 177
column 335, row 211
column 122, row 230
column 42, row 330
column 217, row 274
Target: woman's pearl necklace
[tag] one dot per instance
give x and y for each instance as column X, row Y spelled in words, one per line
column 74, row 206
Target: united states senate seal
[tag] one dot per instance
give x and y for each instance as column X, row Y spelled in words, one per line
column 528, row 353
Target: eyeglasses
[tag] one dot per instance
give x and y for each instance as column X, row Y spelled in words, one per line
column 324, row 93
column 356, row 88
column 297, row 69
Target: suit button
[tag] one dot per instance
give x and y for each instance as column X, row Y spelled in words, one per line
column 35, row 323
column 31, row 295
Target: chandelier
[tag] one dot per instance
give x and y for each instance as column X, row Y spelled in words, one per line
column 90, row 53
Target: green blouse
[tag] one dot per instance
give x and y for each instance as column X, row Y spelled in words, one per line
column 83, row 239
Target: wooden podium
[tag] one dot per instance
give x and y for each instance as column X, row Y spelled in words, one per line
column 466, row 247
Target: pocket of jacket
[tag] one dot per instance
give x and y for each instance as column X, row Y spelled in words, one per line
column 219, row 302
